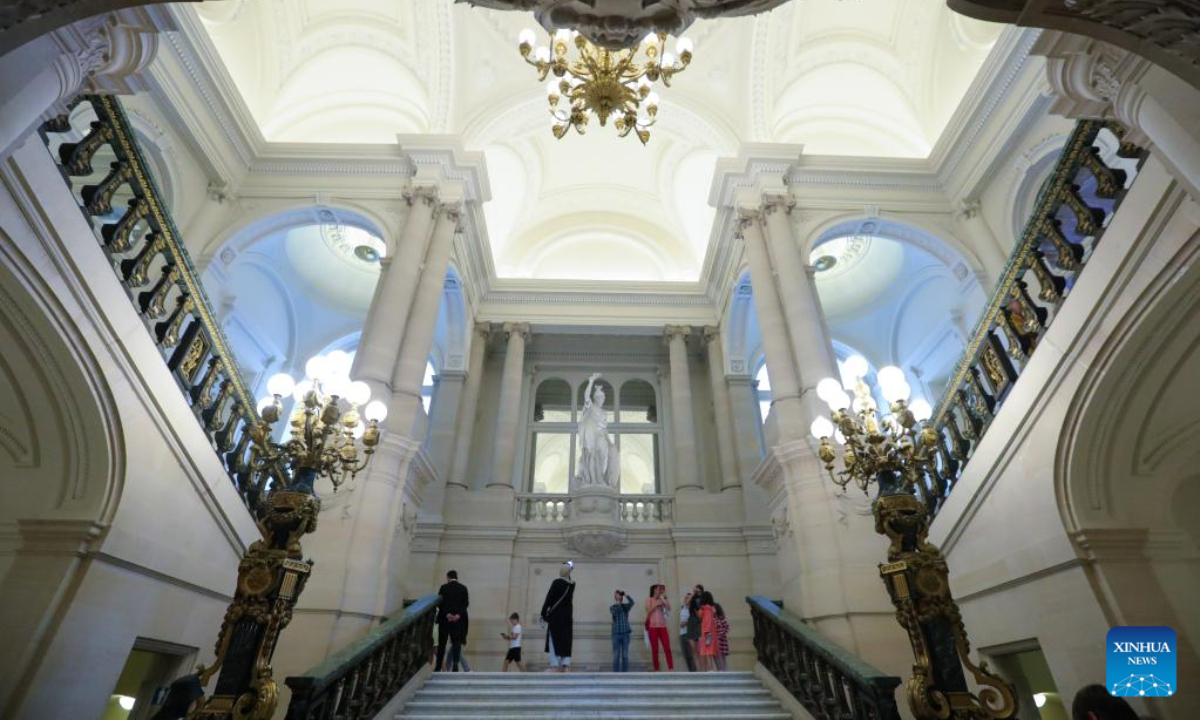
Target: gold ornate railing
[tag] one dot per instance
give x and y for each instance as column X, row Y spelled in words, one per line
column 1068, row 220
column 359, row 680
column 131, row 222
column 831, row 683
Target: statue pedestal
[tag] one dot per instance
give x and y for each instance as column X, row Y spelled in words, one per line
column 593, row 526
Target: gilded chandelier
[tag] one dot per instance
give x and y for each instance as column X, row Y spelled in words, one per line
column 613, row 85
column 898, row 452
column 893, row 446
column 324, row 426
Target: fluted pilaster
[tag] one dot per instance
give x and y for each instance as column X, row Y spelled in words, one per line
column 509, row 413
column 469, row 406
column 683, row 423
column 722, row 410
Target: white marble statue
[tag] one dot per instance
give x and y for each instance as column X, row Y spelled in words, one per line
column 600, row 461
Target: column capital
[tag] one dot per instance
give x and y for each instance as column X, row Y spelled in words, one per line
column 677, row 331
column 512, row 329
column 747, row 215
column 1088, row 76
column 424, row 193
column 482, row 329
column 777, row 200
column 967, row 209
column 710, row 334
column 449, row 210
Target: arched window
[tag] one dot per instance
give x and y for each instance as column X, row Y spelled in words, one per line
column 552, row 437
column 763, row 389
column 427, row 387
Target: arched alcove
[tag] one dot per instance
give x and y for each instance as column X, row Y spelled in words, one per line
column 898, row 295
column 62, row 462
column 1126, row 477
column 287, row 286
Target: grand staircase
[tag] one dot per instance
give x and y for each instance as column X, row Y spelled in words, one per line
column 503, row 696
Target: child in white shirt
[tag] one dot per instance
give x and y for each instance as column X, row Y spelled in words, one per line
column 513, row 636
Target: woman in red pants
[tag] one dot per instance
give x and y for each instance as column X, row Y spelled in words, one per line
column 658, row 611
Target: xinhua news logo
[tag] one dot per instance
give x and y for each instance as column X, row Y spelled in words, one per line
column 1141, row 662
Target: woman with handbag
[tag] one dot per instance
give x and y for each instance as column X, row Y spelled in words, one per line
column 558, row 619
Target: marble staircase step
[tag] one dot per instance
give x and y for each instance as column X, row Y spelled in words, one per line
column 626, row 696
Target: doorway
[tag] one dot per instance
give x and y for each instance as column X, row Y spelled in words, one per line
column 149, row 669
column 1024, row 665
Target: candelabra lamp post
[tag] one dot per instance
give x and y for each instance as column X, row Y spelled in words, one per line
column 326, row 438
column 896, row 453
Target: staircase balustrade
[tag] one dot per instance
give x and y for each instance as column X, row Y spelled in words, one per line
column 357, row 681
column 134, row 227
column 1072, row 210
column 831, row 683
column 635, row 510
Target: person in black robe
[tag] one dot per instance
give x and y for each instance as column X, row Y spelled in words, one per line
column 558, row 612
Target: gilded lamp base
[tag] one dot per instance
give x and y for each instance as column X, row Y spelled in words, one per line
column 271, row 577
column 917, row 579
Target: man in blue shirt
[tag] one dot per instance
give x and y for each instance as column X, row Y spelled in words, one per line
column 620, row 630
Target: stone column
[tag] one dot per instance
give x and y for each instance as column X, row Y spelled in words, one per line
column 465, row 424
column 1178, row 149
column 976, row 230
column 683, row 421
column 388, row 317
column 785, row 387
column 509, row 414
column 104, row 54
column 798, row 295
column 722, row 410
column 409, row 370
column 1093, row 79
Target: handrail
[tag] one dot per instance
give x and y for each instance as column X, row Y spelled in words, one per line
column 357, row 681
column 1036, row 280
column 831, row 683
column 142, row 242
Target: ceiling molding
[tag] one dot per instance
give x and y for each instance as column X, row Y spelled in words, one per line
column 197, row 94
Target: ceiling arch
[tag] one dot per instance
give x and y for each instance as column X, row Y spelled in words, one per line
column 864, row 78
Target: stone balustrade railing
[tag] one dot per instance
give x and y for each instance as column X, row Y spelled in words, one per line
column 633, row 509
column 831, row 683
column 357, row 681
column 1072, row 211
column 132, row 223
column 647, row 509
column 541, row 507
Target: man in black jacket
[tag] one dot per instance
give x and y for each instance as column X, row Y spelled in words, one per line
column 451, row 620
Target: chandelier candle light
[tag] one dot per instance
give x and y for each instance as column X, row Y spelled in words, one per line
column 898, row 453
column 325, row 433
column 613, row 85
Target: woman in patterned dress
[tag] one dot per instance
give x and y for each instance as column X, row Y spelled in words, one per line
column 722, row 637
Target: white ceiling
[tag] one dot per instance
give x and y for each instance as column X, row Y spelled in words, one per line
column 869, row 77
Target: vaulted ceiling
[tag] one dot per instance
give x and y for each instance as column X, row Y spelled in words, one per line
column 869, row 77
